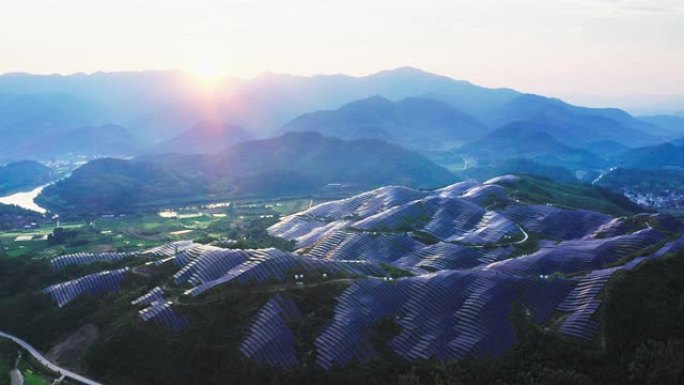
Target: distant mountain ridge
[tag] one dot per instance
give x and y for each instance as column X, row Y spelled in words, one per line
column 205, row 137
column 104, row 140
column 158, row 106
column 415, row 123
column 669, row 154
column 529, row 141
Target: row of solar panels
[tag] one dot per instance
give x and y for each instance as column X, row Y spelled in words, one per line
column 450, row 314
column 63, row 261
column 65, row 292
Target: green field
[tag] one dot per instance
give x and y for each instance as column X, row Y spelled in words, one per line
column 146, row 229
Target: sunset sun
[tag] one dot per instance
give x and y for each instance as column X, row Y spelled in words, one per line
column 207, row 72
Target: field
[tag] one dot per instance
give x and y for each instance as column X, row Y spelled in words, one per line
column 144, row 229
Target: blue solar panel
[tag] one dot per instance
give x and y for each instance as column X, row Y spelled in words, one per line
column 65, row 292
column 270, row 340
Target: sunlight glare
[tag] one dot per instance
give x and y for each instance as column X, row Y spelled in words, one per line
column 207, row 73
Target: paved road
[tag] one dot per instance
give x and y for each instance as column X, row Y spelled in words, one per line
column 45, row 362
column 16, row 377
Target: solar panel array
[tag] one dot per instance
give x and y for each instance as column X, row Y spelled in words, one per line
column 456, row 190
column 273, row 264
column 555, row 223
column 503, row 180
column 451, row 214
column 349, row 245
column 457, row 306
column 580, row 255
column 169, row 249
column 347, row 336
column 158, row 310
column 63, row 261
column 449, row 256
column 450, row 314
column 583, row 302
column 162, row 313
column 154, row 295
column 210, row 264
column 65, row 292
column 485, row 194
column 270, row 340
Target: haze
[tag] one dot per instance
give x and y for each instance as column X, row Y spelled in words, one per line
column 619, row 53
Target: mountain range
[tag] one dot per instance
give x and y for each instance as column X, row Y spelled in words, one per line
column 407, row 106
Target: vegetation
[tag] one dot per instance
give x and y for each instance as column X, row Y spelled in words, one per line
column 296, row 164
column 645, row 181
column 653, row 157
column 538, row 190
column 12, row 216
column 518, row 166
column 23, row 175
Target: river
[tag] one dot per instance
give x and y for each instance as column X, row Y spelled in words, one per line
column 25, row 199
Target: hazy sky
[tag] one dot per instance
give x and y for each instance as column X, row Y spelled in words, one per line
column 596, row 52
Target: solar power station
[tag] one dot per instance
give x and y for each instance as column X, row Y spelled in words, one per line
column 458, row 247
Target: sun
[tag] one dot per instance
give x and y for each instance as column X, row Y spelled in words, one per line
column 207, row 72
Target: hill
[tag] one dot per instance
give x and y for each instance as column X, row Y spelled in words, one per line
column 24, row 175
column 539, row 190
column 530, row 141
column 669, row 154
column 573, row 124
column 416, row 123
column 294, row 164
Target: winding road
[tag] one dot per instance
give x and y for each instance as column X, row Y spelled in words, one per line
column 46, row 363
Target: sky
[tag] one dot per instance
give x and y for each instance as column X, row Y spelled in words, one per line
column 625, row 53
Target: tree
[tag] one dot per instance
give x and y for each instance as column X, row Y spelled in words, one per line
column 658, row 363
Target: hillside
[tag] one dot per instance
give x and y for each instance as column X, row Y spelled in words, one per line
column 291, row 165
column 415, row 123
column 24, row 175
column 539, row 190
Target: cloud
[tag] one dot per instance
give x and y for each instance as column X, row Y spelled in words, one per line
column 619, row 8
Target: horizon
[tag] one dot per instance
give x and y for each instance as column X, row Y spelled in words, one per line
column 624, row 53
column 213, row 77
